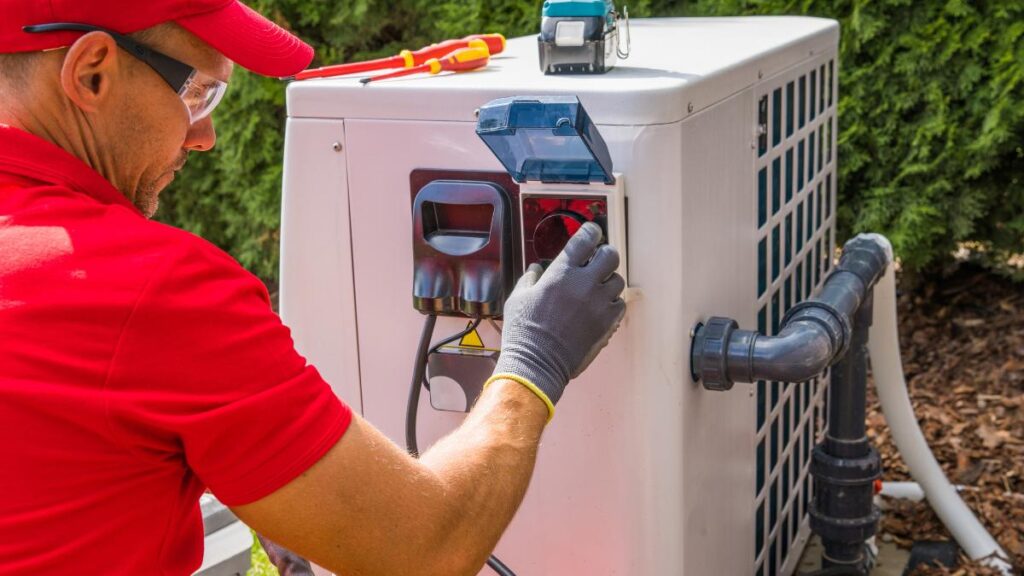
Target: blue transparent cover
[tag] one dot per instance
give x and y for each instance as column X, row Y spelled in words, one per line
column 545, row 138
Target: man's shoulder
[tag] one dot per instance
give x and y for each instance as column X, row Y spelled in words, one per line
column 184, row 263
column 176, row 243
column 99, row 229
column 145, row 247
column 78, row 246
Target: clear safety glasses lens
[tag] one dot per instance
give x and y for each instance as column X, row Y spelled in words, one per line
column 201, row 94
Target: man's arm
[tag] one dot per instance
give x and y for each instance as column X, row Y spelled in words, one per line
column 368, row 507
column 288, row 563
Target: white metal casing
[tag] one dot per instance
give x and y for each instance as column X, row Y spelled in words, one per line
column 642, row 472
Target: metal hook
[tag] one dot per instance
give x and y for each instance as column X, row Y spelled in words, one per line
column 629, row 36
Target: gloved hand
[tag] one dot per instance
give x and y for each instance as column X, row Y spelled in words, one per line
column 556, row 321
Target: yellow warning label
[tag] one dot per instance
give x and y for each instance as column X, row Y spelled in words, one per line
column 471, row 340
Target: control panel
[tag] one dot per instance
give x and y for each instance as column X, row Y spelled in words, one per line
column 552, row 213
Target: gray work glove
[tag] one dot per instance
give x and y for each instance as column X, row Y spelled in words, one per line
column 556, row 321
column 287, row 562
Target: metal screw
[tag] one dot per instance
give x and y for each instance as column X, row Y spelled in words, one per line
column 760, row 74
column 689, row 108
column 693, row 330
column 476, row 113
column 336, row 146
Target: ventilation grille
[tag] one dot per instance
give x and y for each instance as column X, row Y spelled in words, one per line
column 795, row 186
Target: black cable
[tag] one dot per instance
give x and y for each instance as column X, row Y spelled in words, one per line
column 469, row 329
column 498, row 567
column 835, row 571
column 418, row 374
column 419, row 378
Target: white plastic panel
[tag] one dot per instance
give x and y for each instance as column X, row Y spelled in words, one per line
column 717, row 271
column 600, row 465
column 317, row 296
column 676, row 68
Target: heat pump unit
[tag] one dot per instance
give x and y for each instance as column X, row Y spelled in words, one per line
column 721, row 136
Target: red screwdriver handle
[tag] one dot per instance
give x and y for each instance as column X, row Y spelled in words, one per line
column 461, row 60
column 495, row 44
column 438, row 50
column 352, row 68
column 465, row 59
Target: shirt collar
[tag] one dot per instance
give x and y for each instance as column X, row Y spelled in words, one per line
column 32, row 158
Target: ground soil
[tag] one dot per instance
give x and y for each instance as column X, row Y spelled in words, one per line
column 962, row 340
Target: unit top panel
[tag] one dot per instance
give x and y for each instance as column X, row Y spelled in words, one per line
column 677, row 67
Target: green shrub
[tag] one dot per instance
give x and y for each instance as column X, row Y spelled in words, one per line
column 931, row 115
column 232, row 195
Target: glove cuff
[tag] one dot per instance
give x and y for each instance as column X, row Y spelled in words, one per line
column 529, row 385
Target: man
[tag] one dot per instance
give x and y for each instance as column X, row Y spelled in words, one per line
column 140, row 366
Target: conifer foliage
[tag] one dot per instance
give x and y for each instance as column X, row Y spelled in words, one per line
column 931, row 140
column 931, row 121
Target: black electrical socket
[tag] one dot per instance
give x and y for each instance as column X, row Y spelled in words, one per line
column 462, row 248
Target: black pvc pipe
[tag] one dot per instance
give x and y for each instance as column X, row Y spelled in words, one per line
column 828, row 330
column 796, row 354
column 845, row 466
column 847, row 414
column 814, row 335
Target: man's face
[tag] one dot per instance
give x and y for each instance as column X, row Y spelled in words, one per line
column 152, row 135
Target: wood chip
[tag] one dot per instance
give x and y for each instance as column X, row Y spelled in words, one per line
column 962, row 342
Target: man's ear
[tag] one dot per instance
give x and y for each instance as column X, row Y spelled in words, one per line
column 89, row 68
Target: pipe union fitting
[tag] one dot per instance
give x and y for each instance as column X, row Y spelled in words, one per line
column 709, row 357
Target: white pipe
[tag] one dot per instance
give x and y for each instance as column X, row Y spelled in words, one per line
column 903, row 491
column 887, row 368
column 910, row 490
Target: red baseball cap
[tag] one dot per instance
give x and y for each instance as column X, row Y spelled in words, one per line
column 232, row 28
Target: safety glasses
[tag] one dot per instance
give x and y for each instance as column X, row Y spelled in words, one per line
column 199, row 92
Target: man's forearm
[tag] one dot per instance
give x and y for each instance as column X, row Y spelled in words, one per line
column 368, row 508
column 487, row 463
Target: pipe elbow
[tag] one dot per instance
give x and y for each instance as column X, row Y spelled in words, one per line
column 815, row 332
column 722, row 354
column 800, row 352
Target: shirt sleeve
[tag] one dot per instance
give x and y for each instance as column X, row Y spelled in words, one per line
column 206, row 373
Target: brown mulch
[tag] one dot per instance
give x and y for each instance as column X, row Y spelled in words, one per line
column 962, row 341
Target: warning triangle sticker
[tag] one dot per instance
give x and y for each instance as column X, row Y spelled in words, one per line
column 471, row 340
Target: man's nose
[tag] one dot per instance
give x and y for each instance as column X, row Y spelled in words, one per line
column 201, row 136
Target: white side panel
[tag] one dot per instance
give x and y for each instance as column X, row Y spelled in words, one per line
column 317, row 296
column 381, row 155
column 606, row 495
column 718, row 276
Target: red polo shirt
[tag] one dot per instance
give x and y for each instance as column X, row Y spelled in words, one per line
column 139, row 365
